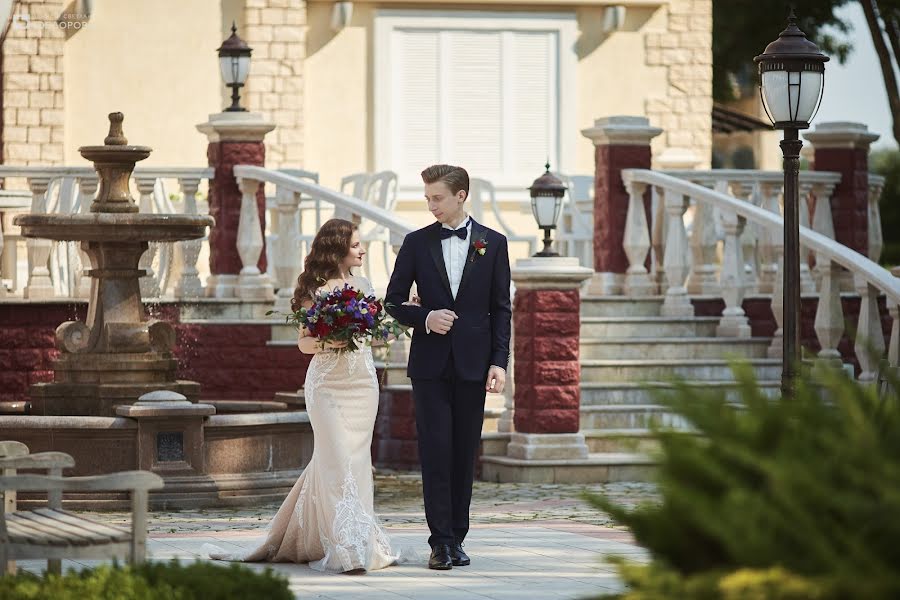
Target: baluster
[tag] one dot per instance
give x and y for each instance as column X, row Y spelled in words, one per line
column 251, row 283
column 676, row 303
column 893, row 353
column 894, row 348
column 658, row 240
column 87, row 189
column 776, row 348
column 188, row 251
column 807, row 285
column 876, row 238
column 869, row 343
column 821, row 221
column 734, row 322
column 703, row 278
column 829, row 323
column 771, row 243
column 636, row 241
column 39, row 282
column 149, row 282
column 286, row 251
column 748, row 240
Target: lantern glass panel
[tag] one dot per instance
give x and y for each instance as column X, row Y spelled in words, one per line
column 234, row 68
column 544, row 208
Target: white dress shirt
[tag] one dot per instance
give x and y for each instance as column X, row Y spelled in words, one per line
column 456, row 251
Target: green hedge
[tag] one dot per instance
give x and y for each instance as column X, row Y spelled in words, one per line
column 150, row 581
column 775, row 499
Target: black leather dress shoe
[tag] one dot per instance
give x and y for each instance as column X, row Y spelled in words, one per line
column 459, row 556
column 440, row 558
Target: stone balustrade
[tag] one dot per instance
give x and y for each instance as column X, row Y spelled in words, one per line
column 734, row 215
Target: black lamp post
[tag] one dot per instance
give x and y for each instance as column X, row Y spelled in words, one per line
column 234, row 63
column 792, row 77
column 547, row 192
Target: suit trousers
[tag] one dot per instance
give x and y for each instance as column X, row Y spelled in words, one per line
column 449, row 417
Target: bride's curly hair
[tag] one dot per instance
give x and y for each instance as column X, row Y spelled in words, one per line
column 329, row 248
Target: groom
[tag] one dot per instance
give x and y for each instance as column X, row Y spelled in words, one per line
column 459, row 349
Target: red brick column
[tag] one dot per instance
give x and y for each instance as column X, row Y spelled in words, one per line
column 844, row 148
column 234, row 139
column 620, row 143
column 547, row 372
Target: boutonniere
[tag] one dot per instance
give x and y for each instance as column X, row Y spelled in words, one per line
column 480, row 246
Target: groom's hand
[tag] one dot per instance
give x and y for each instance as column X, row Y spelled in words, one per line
column 496, row 380
column 440, row 321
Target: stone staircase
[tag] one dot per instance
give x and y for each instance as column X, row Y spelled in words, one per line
column 626, row 348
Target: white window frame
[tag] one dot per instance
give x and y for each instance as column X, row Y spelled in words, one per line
column 565, row 25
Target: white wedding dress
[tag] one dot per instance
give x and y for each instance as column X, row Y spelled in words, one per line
column 328, row 518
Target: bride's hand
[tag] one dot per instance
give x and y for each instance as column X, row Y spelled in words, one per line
column 414, row 301
column 334, row 345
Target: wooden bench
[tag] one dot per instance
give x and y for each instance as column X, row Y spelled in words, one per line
column 52, row 533
column 15, row 456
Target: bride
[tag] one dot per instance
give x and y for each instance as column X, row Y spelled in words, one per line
column 328, row 518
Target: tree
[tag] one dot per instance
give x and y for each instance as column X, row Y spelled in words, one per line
column 743, row 28
column 883, row 20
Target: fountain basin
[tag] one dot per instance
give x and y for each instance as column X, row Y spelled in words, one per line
column 114, row 227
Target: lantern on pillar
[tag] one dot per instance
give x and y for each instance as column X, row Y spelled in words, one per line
column 547, row 193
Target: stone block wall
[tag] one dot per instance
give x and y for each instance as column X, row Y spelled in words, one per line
column 276, row 30
column 231, row 361
column 684, row 111
column 33, row 116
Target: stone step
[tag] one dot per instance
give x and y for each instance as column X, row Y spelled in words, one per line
column 636, row 371
column 620, row 306
column 648, row 327
column 645, row 393
column 601, row 467
column 672, row 348
column 640, row 441
column 629, row 416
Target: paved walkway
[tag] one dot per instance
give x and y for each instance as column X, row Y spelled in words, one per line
column 526, row 541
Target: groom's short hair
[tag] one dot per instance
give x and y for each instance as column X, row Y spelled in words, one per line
column 456, row 178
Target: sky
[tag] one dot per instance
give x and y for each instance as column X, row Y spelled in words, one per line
column 854, row 91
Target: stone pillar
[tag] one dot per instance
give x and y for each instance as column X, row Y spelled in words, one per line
column 170, row 433
column 547, row 371
column 843, row 147
column 620, row 143
column 235, row 138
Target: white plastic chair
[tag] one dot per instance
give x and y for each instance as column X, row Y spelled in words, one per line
column 482, row 190
column 380, row 191
column 575, row 231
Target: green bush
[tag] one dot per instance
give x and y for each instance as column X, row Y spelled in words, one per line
column 150, row 581
column 774, row 499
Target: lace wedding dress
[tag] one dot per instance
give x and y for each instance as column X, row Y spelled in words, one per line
column 328, row 518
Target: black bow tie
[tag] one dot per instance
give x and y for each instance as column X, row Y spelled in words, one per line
column 461, row 233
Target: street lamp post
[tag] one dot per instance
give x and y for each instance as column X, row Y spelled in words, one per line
column 792, row 77
column 547, row 192
column 234, row 64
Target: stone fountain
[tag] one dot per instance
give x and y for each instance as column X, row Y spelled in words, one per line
column 115, row 403
column 118, row 354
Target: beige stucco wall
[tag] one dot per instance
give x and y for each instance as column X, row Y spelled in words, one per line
column 154, row 61
column 658, row 65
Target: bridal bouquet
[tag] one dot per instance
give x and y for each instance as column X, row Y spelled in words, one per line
column 347, row 315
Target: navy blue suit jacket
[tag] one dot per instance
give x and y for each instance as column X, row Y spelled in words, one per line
column 480, row 337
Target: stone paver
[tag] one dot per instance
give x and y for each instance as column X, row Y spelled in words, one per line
column 526, row 541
